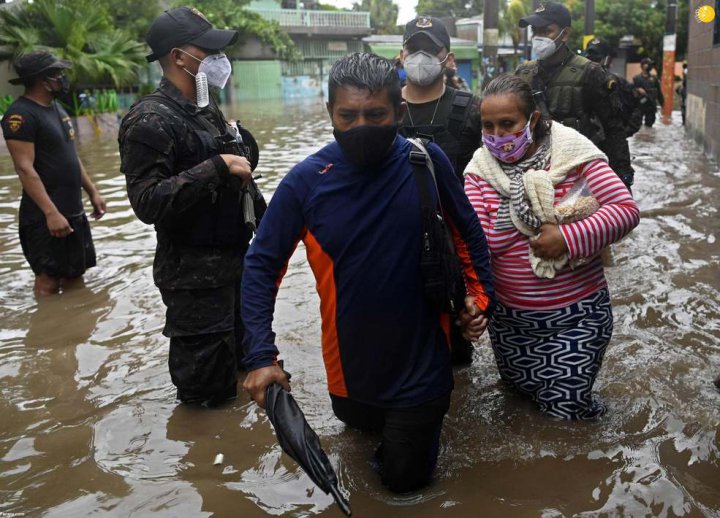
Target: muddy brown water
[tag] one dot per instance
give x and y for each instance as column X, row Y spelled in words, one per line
column 89, row 424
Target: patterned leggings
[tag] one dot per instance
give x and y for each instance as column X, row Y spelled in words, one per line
column 554, row 355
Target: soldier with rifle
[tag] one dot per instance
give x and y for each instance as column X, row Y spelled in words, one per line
column 188, row 172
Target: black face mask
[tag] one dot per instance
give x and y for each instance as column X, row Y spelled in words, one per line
column 366, row 146
column 64, row 87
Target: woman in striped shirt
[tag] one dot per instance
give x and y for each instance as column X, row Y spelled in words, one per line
column 554, row 319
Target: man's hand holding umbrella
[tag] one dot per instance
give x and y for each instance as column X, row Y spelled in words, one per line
column 265, row 385
column 259, row 379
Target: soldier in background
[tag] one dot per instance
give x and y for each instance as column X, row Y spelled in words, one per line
column 54, row 231
column 649, row 87
column 624, row 96
column 573, row 90
column 682, row 92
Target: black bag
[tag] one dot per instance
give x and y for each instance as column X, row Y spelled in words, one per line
column 440, row 267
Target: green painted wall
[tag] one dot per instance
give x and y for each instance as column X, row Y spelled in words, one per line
column 257, row 80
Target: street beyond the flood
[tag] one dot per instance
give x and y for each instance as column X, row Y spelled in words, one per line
column 89, row 423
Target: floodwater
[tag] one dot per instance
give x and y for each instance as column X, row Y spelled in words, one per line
column 89, row 424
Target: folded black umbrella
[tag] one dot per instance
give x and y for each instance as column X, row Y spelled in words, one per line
column 301, row 442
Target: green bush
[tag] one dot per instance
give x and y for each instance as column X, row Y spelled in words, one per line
column 91, row 102
column 5, row 103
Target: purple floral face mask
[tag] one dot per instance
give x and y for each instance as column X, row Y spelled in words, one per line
column 509, row 148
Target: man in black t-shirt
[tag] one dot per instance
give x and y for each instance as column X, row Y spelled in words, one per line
column 439, row 113
column 54, row 231
column 436, row 111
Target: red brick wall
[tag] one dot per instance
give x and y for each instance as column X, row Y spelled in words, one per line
column 703, row 101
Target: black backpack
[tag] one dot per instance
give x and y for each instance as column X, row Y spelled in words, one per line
column 440, row 268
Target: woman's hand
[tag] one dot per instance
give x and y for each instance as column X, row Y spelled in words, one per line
column 549, row 243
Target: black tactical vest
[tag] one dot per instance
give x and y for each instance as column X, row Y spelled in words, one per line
column 563, row 93
column 445, row 131
column 216, row 220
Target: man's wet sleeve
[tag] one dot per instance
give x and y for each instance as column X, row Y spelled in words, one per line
column 148, row 154
column 19, row 124
column 597, row 98
column 266, row 261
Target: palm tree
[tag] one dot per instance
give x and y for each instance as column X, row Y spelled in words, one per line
column 511, row 15
column 77, row 30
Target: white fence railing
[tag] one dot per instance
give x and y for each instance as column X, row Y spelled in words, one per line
column 307, row 18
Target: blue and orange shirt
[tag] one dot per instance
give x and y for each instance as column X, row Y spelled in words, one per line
column 381, row 342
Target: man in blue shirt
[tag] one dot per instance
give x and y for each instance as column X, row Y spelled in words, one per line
column 356, row 206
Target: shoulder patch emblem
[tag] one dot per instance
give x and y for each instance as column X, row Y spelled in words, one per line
column 325, row 169
column 15, row 122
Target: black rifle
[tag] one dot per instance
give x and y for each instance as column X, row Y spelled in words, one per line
column 239, row 141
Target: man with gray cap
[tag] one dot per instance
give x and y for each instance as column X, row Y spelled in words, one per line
column 571, row 89
column 54, row 231
column 182, row 178
column 439, row 113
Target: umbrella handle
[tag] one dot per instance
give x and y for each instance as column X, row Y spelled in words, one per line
column 340, row 500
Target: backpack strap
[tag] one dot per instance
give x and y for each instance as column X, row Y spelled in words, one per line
column 459, row 112
column 196, row 122
column 422, row 163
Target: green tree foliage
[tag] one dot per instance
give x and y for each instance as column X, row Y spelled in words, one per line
column 231, row 14
column 383, row 15
column 452, row 8
column 77, row 30
column 133, row 16
column 643, row 19
column 510, row 14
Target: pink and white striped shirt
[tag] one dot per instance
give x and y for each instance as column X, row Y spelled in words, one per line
column 515, row 283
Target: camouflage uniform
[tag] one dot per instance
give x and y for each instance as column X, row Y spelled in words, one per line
column 177, row 181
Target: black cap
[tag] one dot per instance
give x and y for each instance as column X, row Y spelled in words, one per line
column 35, row 63
column 547, row 13
column 184, row 25
column 597, row 49
column 647, row 61
column 431, row 27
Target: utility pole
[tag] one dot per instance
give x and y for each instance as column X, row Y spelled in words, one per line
column 668, row 72
column 589, row 22
column 490, row 40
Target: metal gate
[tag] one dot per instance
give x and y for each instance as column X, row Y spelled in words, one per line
column 257, row 80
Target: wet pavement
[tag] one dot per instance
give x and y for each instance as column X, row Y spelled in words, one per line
column 90, row 426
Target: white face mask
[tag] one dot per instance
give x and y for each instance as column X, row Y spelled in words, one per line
column 423, row 68
column 543, row 48
column 216, row 67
